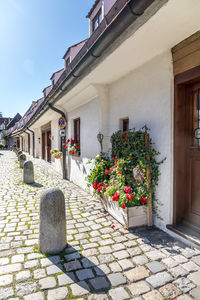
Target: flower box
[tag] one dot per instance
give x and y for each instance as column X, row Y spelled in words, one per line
column 129, row 217
column 57, row 156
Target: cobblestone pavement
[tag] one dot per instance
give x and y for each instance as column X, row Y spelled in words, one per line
column 102, row 261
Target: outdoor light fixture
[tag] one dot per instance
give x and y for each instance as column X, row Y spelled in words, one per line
column 100, row 140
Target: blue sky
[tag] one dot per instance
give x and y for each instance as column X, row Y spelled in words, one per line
column 34, row 35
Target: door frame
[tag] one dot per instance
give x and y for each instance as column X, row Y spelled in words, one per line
column 180, row 82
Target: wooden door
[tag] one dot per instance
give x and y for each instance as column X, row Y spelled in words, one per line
column 49, row 145
column 192, row 153
column 43, row 145
column 28, row 143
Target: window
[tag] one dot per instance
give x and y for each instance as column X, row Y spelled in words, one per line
column 67, row 62
column 97, row 20
column 125, row 124
column 77, row 129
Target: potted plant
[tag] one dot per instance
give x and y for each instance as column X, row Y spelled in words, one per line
column 121, row 181
column 56, row 153
column 73, row 147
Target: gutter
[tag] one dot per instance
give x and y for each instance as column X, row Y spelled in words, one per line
column 33, row 140
column 119, row 18
column 64, row 170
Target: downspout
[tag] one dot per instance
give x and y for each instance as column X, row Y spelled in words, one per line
column 33, row 140
column 28, row 138
column 63, row 140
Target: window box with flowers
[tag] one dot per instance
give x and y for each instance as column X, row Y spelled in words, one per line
column 123, row 193
column 56, row 153
column 73, row 147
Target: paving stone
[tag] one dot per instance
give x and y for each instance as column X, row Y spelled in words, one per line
column 169, row 290
column 50, row 261
column 99, row 283
column 155, row 267
column 6, row 280
column 134, row 251
column 137, row 273
column 121, row 254
column 169, row 262
column 47, row 283
column 140, row 260
column 6, row 293
column 184, row 297
column 105, row 249
column 126, row 264
column 23, row 275
column 67, row 278
column 101, row 270
column 155, row 255
column 196, row 259
column 97, row 297
column 195, row 293
column 153, row 295
column 84, row 274
column 80, row 288
column 190, row 266
column 35, row 296
column 72, row 265
column 115, row 267
column 178, row 271
column 159, row 279
column 4, row 261
column 39, row 273
column 58, row 294
column 72, row 256
column 17, row 258
column 31, row 264
column 195, row 277
column 106, row 258
column 54, row 269
column 25, row 288
column 184, row 284
column 116, row 279
column 119, row 294
column 138, row 288
column 90, row 262
column 180, row 259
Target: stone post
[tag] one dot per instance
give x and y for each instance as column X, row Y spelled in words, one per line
column 18, row 154
column 22, row 159
column 52, row 233
column 28, row 172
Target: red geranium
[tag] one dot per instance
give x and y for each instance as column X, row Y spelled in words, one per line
column 124, row 135
column 127, row 189
column 143, row 200
column 119, row 172
column 67, row 141
column 77, row 146
column 111, row 169
column 66, row 147
column 106, row 185
column 129, row 197
column 95, row 185
column 106, row 172
column 116, row 196
column 116, row 166
column 123, row 205
column 73, row 152
column 113, row 158
column 99, row 188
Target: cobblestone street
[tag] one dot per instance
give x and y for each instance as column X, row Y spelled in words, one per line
column 102, row 261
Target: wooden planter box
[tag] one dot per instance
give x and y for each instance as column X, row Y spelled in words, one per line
column 129, row 217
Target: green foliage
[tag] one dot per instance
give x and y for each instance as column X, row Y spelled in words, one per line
column 1, row 145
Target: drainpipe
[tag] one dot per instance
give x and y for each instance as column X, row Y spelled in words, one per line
column 28, row 138
column 63, row 140
column 33, row 140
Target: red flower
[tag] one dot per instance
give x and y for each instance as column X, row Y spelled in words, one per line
column 123, row 205
column 73, row 152
column 124, row 135
column 116, row 166
column 117, row 159
column 143, row 200
column 106, row 171
column 113, row 158
column 127, row 189
column 112, row 226
column 114, row 182
column 101, row 184
column 111, row 169
column 131, row 196
column 95, row 185
column 99, row 188
column 67, row 141
column 116, row 196
column 77, row 146
column 106, row 185
column 66, row 147
column 119, row 172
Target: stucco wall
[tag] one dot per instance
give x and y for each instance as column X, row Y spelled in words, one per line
column 145, row 96
column 89, row 128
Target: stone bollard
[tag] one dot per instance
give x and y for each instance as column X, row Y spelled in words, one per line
column 52, row 233
column 28, row 172
column 18, row 154
column 22, row 159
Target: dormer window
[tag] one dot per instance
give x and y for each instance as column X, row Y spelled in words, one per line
column 53, row 81
column 97, row 20
column 68, row 61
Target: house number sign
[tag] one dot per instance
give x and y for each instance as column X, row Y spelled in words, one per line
column 62, row 122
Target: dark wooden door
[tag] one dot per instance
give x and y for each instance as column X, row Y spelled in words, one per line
column 49, row 145
column 43, row 145
column 192, row 152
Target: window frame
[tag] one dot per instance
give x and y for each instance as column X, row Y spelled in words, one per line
column 77, row 132
column 97, row 18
